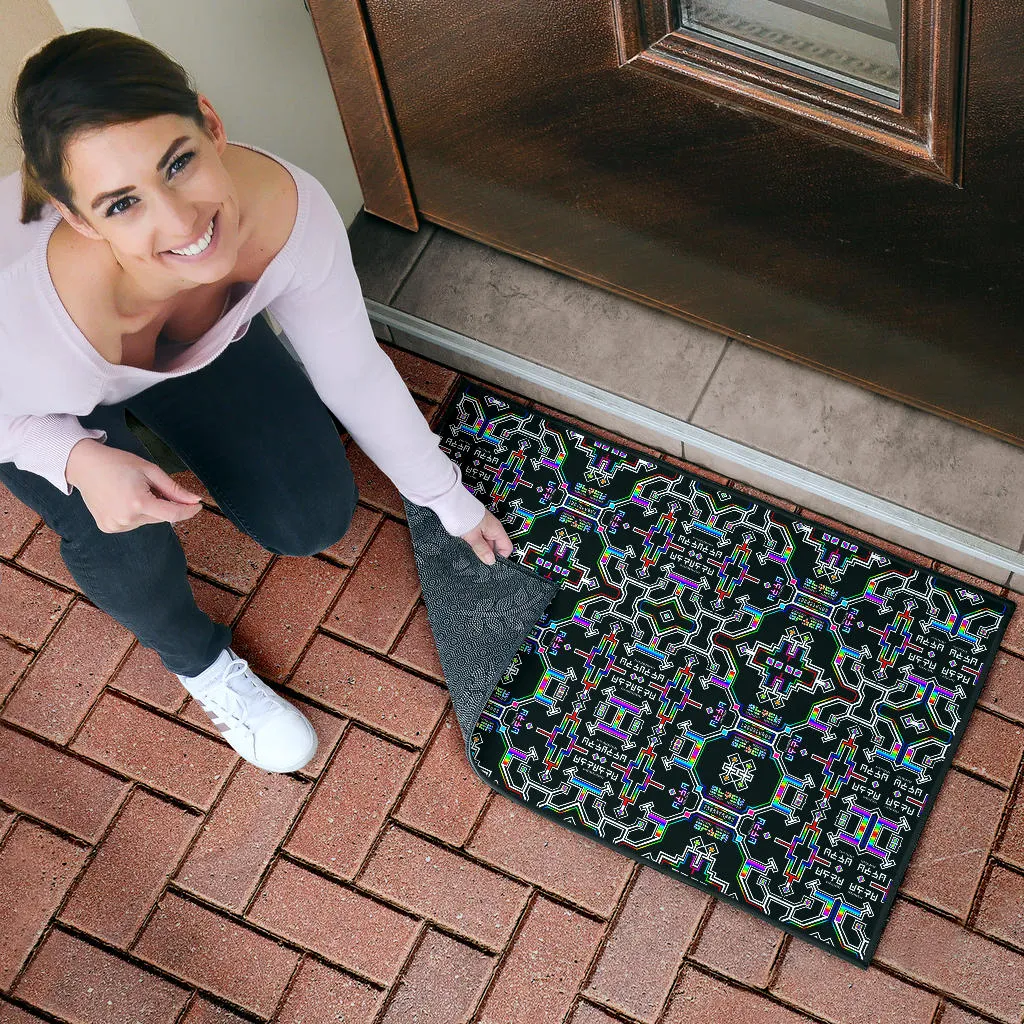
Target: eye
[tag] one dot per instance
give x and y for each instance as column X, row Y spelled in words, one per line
column 115, row 208
column 187, row 157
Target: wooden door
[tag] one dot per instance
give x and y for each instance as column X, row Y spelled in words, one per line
column 861, row 215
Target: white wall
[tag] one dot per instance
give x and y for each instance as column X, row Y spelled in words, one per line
column 259, row 63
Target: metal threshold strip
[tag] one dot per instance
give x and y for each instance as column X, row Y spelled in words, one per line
column 443, row 340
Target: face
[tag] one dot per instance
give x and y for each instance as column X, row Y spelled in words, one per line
column 155, row 186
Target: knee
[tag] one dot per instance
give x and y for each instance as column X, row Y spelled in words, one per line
column 310, row 530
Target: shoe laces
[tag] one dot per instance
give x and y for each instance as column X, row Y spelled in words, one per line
column 234, row 695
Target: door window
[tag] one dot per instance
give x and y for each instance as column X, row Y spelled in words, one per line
column 852, row 43
column 883, row 75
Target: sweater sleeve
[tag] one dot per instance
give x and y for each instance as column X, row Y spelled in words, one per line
column 324, row 317
column 42, row 444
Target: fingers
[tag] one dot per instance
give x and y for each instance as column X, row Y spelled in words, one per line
column 168, row 486
column 483, row 551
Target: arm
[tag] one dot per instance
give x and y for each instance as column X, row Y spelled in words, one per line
column 323, row 314
column 43, row 444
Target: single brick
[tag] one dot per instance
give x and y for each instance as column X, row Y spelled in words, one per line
column 838, row 991
column 36, row 870
column 444, row 887
column 351, row 546
column 42, row 556
column 157, row 752
column 946, row 956
column 960, row 830
column 442, row 985
column 214, row 547
column 954, row 1014
column 587, row 1013
column 217, row 955
column 375, row 489
column 703, row 1000
column 1004, row 686
column 30, row 608
column 753, row 492
column 192, row 483
column 143, row 676
column 422, row 377
column 240, row 836
column 637, row 966
column 369, row 690
column 351, row 803
column 521, row 842
column 17, row 521
column 328, row 729
column 739, row 945
column 66, row 678
column 286, row 609
column 544, row 970
column 1013, row 639
column 220, row 604
column 320, row 993
column 445, row 797
column 128, row 872
column 1002, row 908
column 13, row 663
column 417, row 649
column 991, row 747
column 55, row 787
column 341, row 925
column 202, row 1011
column 11, row 1014
column 1011, row 846
column 382, row 592
column 86, row 985
column 692, row 467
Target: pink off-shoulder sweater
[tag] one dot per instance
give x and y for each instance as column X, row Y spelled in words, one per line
column 50, row 374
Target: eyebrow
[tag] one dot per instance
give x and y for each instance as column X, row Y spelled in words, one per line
column 103, row 196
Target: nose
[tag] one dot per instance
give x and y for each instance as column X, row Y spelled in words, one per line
column 179, row 220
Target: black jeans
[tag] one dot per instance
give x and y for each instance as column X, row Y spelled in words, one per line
column 251, row 426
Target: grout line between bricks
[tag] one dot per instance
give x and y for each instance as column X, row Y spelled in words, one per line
column 391, row 992
column 503, row 954
column 776, row 965
column 286, row 991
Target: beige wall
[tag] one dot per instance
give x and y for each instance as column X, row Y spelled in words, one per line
column 257, row 60
column 26, row 25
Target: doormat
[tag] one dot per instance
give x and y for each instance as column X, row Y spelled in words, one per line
column 756, row 704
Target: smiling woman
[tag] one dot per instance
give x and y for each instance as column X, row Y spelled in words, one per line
column 148, row 244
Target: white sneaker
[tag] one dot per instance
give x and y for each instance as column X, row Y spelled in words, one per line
column 263, row 727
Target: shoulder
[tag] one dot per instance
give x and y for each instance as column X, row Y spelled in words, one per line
column 84, row 271
column 270, row 204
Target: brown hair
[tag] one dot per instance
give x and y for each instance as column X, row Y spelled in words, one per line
column 82, row 81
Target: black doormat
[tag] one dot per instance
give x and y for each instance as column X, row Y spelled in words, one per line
column 759, row 705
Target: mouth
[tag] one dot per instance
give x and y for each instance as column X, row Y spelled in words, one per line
column 200, row 249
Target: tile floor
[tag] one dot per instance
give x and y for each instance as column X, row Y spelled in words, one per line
column 915, row 459
column 147, row 874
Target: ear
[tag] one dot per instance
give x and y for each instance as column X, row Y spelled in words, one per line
column 82, row 226
column 214, row 125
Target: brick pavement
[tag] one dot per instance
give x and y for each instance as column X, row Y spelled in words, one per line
column 148, row 874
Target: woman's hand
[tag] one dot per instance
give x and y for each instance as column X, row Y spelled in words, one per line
column 123, row 491
column 487, row 535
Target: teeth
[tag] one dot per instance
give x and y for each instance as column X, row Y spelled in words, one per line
column 196, row 248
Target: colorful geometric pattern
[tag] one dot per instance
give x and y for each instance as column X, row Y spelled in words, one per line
column 754, row 703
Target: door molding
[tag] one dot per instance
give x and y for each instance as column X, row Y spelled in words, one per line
column 348, row 53
column 923, row 132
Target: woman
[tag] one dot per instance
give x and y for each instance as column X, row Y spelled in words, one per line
column 139, row 245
